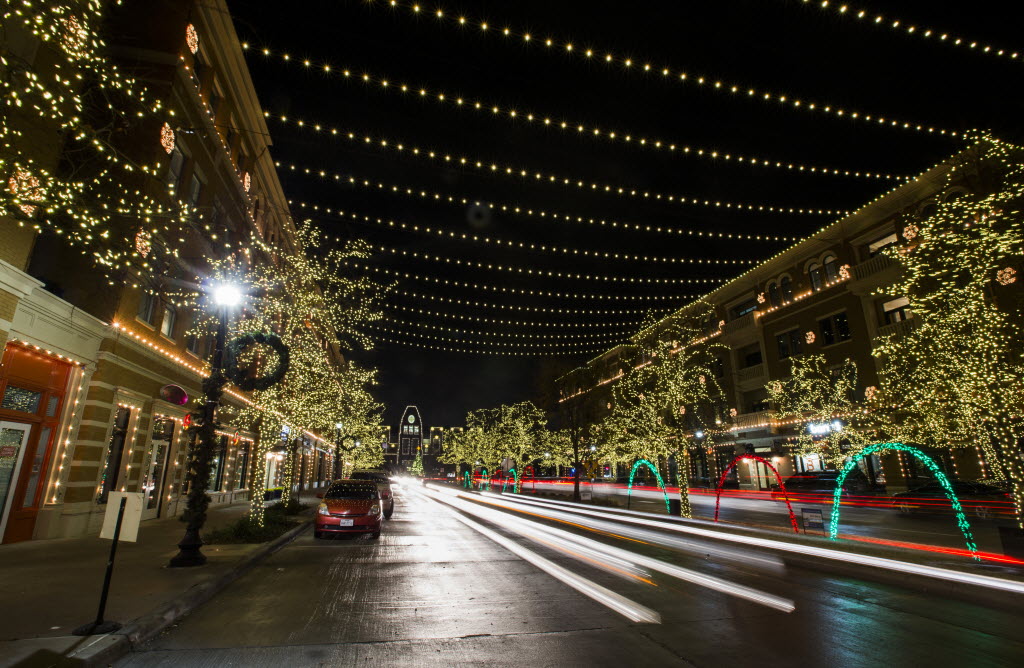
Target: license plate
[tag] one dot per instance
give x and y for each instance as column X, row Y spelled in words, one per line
column 346, row 523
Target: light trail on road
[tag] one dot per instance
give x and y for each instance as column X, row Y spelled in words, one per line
column 532, row 530
column 624, row 606
column 637, row 518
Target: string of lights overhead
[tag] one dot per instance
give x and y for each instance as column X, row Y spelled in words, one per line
column 652, row 311
column 906, row 28
column 529, row 175
column 515, row 113
column 540, row 248
column 628, row 64
column 629, row 324
column 490, row 352
column 521, row 291
column 558, row 345
column 602, row 337
column 546, row 273
column 518, row 210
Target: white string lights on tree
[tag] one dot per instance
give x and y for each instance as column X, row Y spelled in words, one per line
column 910, row 29
column 521, row 174
column 520, row 291
column 628, row 64
column 515, row 113
column 525, row 246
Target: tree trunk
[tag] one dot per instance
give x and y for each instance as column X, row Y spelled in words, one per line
column 684, row 482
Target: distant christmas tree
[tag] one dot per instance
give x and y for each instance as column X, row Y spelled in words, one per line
column 416, row 468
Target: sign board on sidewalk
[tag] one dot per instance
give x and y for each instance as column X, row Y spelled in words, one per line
column 586, row 493
column 132, row 516
column 812, row 520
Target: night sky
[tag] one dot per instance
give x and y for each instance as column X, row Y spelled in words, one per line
column 778, row 46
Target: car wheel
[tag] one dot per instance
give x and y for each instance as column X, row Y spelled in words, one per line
column 318, row 534
column 375, row 534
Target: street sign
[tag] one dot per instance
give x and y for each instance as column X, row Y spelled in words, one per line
column 586, row 493
column 132, row 516
column 812, row 520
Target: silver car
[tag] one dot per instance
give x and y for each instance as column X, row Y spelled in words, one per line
column 387, row 497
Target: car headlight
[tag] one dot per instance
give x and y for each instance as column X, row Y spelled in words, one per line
column 375, row 509
column 322, row 509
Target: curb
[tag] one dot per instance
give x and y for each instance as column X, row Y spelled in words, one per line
column 151, row 624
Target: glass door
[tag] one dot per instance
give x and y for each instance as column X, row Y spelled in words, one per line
column 155, row 467
column 13, row 439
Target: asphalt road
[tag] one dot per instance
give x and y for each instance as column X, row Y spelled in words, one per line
column 433, row 591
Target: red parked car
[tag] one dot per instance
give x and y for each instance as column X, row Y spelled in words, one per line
column 349, row 506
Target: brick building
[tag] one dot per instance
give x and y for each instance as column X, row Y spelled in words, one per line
column 85, row 357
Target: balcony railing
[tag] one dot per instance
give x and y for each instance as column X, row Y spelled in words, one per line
column 901, row 328
column 751, row 372
column 739, row 324
column 758, row 420
column 873, row 266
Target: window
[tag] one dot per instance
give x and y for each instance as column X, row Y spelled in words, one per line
column 147, row 308
column 746, row 307
column 21, row 400
column 242, row 458
column 752, row 358
column 786, row 286
column 834, row 329
column 220, row 454
column 115, row 447
column 774, row 298
column 174, row 168
column 169, row 321
column 195, row 189
column 876, row 246
column 789, row 343
column 405, row 446
column 192, row 344
column 831, row 265
column 896, row 310
column 815, row 274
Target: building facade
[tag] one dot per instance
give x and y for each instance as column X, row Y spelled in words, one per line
column 93, row 364
column 825, row 295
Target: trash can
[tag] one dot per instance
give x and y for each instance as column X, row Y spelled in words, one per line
column 675, row 507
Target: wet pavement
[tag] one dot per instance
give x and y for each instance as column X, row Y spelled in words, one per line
column 432, row 591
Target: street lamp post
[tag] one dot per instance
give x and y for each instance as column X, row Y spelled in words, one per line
column 224, row 297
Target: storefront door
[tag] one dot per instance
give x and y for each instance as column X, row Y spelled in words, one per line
column 154, row 479
column 13, row 443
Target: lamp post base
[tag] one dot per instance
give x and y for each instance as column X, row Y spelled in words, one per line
column 189, row 553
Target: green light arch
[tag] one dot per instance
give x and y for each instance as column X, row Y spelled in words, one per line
column 515, row 488
column 961, row 519
column 661, row 483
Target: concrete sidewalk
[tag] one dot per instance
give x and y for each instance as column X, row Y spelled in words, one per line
column 52, row 586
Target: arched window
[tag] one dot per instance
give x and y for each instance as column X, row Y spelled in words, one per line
column 831, row 265
column 773, row 294
column 786, row 286
column 814, row 273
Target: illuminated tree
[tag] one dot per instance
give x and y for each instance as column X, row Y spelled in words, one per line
column 671, row 401
column 957, row 378
column 825, row 399
column 416, row 468
column 492, row 435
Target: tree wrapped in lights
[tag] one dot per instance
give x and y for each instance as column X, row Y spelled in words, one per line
column 823, row 396
column 358, row 416
column 957, row 378
column 308, row 297
column 671, row 401
column 512, row 431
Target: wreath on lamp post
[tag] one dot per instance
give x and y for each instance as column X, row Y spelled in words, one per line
column 240, row 377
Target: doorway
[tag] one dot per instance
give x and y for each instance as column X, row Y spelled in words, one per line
column 154, row 478
column 13, row 443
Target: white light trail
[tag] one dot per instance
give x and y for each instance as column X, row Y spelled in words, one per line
column 620, row 604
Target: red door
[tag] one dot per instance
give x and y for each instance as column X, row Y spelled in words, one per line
column 32, row 389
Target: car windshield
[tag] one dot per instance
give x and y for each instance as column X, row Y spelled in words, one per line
column 376, row 477
column 351, row 491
